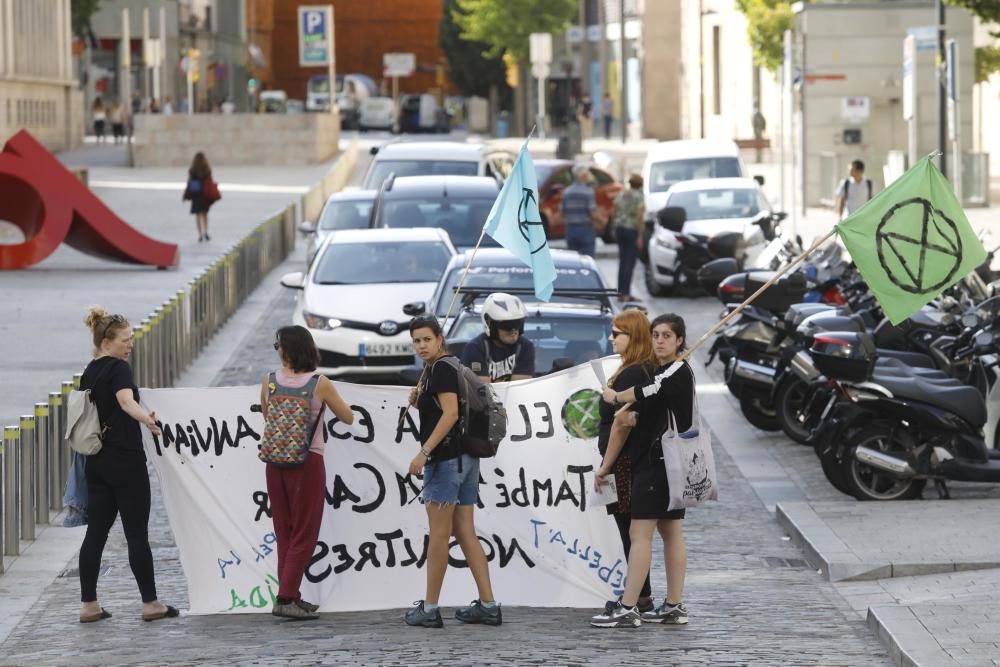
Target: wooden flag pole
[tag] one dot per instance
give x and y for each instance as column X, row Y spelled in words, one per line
column 750, row 299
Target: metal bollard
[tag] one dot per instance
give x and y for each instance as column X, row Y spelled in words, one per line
column 26, row 477
column 138, row 372
column 65, row 453
column 54, row 447
column 42, row 459
column 11, row 543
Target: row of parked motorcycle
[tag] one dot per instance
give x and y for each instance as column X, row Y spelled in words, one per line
column 886, row 407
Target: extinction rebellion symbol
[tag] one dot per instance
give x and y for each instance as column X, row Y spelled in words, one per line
column 918, row 246
column 523, row 224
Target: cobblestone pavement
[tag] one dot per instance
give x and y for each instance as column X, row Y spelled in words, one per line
column 752, row 600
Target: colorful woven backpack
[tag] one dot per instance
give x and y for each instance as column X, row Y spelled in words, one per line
column 288, row 429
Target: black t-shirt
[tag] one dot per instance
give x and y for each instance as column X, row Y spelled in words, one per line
column 504, row 360
column 442, row 378
column 631, row 376
column 105, row 377
column 675, row 395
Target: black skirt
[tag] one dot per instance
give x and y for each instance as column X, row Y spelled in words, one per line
column 650, row 489
column 199, row 204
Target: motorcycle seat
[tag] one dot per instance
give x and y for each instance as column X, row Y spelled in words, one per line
column 964, row 401
column 915, row 359
column 897, row 368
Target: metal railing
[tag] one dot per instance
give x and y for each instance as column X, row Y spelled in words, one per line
column 35, row 457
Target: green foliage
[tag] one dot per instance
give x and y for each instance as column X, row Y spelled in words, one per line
column 767, row 21
column 504, row 25
column 987, row 10
column 987, row 62
column 81, row 11
column 468, row 68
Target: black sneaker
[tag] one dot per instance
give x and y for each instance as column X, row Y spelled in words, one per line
column 425, row 619
column 645, row 604
column 293, row 612
column 617, row 616
column 668, row 614
column 477, row 613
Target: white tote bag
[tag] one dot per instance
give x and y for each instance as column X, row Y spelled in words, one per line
column 689, row 462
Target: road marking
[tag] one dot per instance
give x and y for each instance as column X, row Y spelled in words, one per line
column 224, row 187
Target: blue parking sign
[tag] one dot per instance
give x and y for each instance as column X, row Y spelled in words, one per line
column 315, row 23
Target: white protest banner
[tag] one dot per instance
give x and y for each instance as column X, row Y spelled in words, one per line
column 546, row 546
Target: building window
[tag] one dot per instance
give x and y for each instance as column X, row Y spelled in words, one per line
column 717, row 69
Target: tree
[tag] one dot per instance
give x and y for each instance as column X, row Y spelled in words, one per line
column 468, row 68
column 767, row 21
column 81, row 11
column 987, row 62
column 506, row 24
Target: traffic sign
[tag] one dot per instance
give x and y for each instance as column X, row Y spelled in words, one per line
column 398, row 64
column 540, row 70
column 315, row 35
column 540, row 48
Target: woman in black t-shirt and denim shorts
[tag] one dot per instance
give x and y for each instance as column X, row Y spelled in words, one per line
column 451, row 482
column 670, row 394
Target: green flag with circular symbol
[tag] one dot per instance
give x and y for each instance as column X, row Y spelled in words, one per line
column 912, row 241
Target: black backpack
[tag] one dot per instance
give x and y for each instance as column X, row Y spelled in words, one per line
column 847, row 182
column 482, row 419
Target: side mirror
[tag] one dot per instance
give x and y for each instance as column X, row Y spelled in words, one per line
column 307, row 228
column 295, row 280
column 672, row 218
column 759, row 179
column 415, row 309
column 373, row 150
column 778, row 216
column 798, row 239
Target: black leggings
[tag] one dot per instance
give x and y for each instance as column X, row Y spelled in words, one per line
column 624, row 521
column 117, row 481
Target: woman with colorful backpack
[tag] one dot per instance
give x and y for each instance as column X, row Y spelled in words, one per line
column 202, row 192
column 451, row 481
column 293, row 400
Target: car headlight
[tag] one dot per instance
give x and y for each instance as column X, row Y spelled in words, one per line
column 319, row 322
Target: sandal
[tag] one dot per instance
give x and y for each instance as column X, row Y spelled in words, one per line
column 169, row 612
column 93, row 618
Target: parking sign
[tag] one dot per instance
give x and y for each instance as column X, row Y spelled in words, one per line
column 315, row 35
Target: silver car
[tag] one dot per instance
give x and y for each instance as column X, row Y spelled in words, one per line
column 342, row 210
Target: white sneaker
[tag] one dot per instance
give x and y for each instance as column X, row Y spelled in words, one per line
column 617, row 616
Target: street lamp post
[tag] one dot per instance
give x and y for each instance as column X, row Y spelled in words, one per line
column 942, row 90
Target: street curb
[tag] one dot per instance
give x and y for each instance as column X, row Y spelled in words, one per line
column 907, row 640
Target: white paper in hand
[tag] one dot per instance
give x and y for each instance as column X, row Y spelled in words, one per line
column 607, row 495
column 598, row 366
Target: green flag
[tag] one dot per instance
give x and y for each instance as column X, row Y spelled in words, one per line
column 912, row 241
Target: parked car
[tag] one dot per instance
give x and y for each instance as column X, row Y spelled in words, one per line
column 420, row 158
column 712, row 206
column 457, row 204
column 377, row 113
column 273, row 101
column 353, row 293
column 670, row 162
column 343, row 210
column 554, row 176
column 420, row 113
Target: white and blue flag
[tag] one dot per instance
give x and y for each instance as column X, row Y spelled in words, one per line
column 515, row 223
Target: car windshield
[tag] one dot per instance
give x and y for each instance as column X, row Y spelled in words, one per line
column 577, row 337
column 500, row 278
column 664, row 174
column 462, row 218
column 715, row 204
column 382, row 168
column 345, row 215
column 384, row 262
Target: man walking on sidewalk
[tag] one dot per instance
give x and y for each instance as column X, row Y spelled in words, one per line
column 854, row 191
column 578, row 209
column 607, row 114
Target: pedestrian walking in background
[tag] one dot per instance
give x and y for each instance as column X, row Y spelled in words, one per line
column 117, row 481
column 854, row 191
column 630, row 338
column 650, row 498
column 168, row 106
column 202, row 192
column 607, row 114
column 100, row 119
column 296, row 494
column 451, row 482
column 585, row 116
column 579, row 209
column 629, row 212
column 117, row 116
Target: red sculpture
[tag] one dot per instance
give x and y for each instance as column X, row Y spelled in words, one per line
column 50, row 205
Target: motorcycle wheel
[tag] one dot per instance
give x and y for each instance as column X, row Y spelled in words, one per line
column 758, row 411
column 654, row 288
column 834, row 472
column 867, row 483
column 789, row 400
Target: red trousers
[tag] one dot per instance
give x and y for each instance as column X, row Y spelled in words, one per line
column 297, row 499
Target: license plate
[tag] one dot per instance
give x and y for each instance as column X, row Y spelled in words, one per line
column 384, row 349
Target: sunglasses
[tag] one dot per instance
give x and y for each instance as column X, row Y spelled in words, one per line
column 615, row 333
column 112, row 320
column 276, row 345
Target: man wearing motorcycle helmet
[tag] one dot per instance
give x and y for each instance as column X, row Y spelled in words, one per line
column 500, row 353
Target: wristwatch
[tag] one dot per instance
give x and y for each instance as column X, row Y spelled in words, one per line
column 426, row 453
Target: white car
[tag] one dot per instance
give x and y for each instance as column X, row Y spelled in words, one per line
column 349, row 209
column 670, row 162
column 353, row 294
column 377, row 113
column 436, row 158
column 712, row 206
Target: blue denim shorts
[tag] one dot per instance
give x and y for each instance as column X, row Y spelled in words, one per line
column 446, row 485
